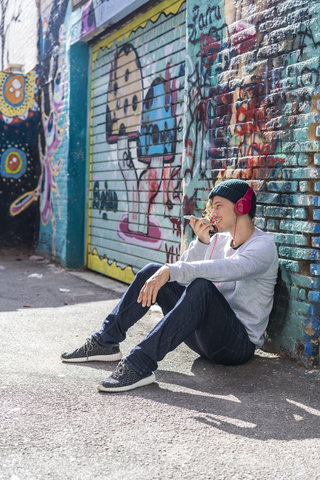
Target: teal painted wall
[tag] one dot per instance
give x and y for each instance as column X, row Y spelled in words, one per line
column 79, row 61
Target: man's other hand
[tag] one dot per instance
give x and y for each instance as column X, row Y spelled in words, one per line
column 150, row 289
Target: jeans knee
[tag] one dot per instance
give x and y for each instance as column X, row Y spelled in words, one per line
column 202, row 286
column 147, row 271
column 202, row 283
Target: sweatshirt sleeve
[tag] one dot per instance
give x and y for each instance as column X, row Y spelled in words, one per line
column 196, row 251
column 254, row 258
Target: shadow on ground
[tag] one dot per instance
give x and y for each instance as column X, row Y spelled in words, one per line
column 268, row 398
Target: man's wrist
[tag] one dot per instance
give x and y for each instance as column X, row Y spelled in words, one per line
column 168, row 270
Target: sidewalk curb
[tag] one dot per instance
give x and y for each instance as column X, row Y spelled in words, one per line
column 101, row 281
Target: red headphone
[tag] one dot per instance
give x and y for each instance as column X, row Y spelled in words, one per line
column 243, row 206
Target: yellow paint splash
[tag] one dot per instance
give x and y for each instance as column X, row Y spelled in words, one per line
column 97, row 264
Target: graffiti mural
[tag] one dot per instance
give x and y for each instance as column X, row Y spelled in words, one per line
column 18, row 101
column 19, row 118
column 53, row 136
column 84, row 21
column 252, row 79
column 245, row 89
column 47, row 186
column 137, row 144
column 19, row 158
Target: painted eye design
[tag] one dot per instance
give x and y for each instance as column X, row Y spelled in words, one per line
column 50, row 132
column 14, row 90
column 13, row 163
column 58, row 90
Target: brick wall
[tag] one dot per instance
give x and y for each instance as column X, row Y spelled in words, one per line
column 252, row 90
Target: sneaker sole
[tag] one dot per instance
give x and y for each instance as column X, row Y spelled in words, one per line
column 141, row 383
column 98, row 358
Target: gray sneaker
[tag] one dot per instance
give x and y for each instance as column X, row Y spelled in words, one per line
column 125, row 378
column 92, row 351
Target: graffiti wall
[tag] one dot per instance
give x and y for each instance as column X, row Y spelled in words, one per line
column 182, row 97
column 53, row 135
column 252, row 80
column 19, row 119
column 83, row 21
column 90, row 17
column 62, row 136
column 136, row 143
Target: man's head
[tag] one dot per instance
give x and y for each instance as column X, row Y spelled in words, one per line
column 234, row 190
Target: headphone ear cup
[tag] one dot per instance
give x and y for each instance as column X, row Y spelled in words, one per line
column 243, row 206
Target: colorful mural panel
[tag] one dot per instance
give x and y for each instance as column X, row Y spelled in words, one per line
column 47, row 186
column 19, row 98
column 83, row 21
column 19, row 157
column 19, row 118
column 137, row 115
column 53, row 137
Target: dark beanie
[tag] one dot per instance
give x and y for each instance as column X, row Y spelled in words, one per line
column 233, row 190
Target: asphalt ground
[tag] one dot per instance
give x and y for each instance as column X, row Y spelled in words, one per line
column 257, row 421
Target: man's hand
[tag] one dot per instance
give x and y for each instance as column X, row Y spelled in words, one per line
column 201, row 228
column 150, row 289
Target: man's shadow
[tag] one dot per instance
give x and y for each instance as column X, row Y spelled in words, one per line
column 267, row 398
column 264, row 399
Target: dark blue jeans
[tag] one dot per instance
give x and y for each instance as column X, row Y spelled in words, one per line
column 198, row 315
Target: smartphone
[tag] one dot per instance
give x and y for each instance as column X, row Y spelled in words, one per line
column 211, row 232
column 189, row 217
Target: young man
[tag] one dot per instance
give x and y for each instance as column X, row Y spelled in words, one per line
column 216, row 299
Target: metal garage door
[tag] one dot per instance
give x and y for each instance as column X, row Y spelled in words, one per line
column 136, row 143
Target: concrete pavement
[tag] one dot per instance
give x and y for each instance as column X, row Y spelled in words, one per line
column 258, row 421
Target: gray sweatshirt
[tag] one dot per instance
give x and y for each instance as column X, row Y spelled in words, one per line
column 246, row 278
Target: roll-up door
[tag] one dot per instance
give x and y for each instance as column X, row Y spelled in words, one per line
column 136, row 143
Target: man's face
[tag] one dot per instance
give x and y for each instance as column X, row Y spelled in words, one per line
column 223, row 214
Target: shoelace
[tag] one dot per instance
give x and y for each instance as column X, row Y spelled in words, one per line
column 87, row 347
column 120, row 368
